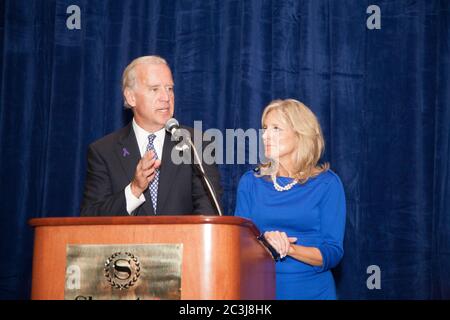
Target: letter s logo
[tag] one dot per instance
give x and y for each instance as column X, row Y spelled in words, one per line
column 122, row 269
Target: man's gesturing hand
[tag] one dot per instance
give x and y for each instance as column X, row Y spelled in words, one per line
column 145, row 172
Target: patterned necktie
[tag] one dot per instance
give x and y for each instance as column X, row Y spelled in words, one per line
column 154, row 183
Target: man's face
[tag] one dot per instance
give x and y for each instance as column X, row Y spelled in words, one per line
column 152, row 97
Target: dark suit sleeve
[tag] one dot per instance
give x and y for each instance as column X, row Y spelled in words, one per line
column 98, row 197
column 201, row 201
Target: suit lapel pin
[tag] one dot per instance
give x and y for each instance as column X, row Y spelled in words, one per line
column 125, row 152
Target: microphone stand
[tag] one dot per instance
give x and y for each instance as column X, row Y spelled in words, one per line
column 209, row 186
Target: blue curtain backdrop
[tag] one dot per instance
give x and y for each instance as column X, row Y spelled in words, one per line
column 382, row 97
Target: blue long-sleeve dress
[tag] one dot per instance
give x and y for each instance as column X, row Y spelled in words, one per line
column 313, row 212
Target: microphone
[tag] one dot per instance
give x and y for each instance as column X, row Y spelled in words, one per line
column 173, row 127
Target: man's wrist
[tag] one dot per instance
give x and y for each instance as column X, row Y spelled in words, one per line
column 135, row 190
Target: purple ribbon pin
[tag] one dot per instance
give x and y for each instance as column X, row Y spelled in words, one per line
column 125, row 152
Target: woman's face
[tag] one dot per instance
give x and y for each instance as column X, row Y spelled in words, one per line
column 280, row 140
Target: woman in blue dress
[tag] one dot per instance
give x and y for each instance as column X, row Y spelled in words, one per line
column 298, row 203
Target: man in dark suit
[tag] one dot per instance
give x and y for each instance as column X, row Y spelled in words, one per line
column 130, row 171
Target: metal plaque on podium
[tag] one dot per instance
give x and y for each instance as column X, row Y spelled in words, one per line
column 123, row 272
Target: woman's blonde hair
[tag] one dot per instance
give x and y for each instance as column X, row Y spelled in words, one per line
column 309, row 136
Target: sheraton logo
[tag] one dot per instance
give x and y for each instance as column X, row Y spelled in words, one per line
column 122, row 270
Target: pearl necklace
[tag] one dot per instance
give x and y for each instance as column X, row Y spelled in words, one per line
column 286, row 187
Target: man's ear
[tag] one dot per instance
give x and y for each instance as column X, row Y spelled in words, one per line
column 129, row 96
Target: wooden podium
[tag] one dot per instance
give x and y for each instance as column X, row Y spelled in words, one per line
column 222, row 259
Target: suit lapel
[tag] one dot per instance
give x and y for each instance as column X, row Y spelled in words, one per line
column 128, row 151
column 129, row 155
column 167, row 173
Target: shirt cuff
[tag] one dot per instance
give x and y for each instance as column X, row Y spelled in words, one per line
column 132, row 202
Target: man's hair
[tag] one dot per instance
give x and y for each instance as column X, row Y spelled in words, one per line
column 310, row 142
column 129, row 74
